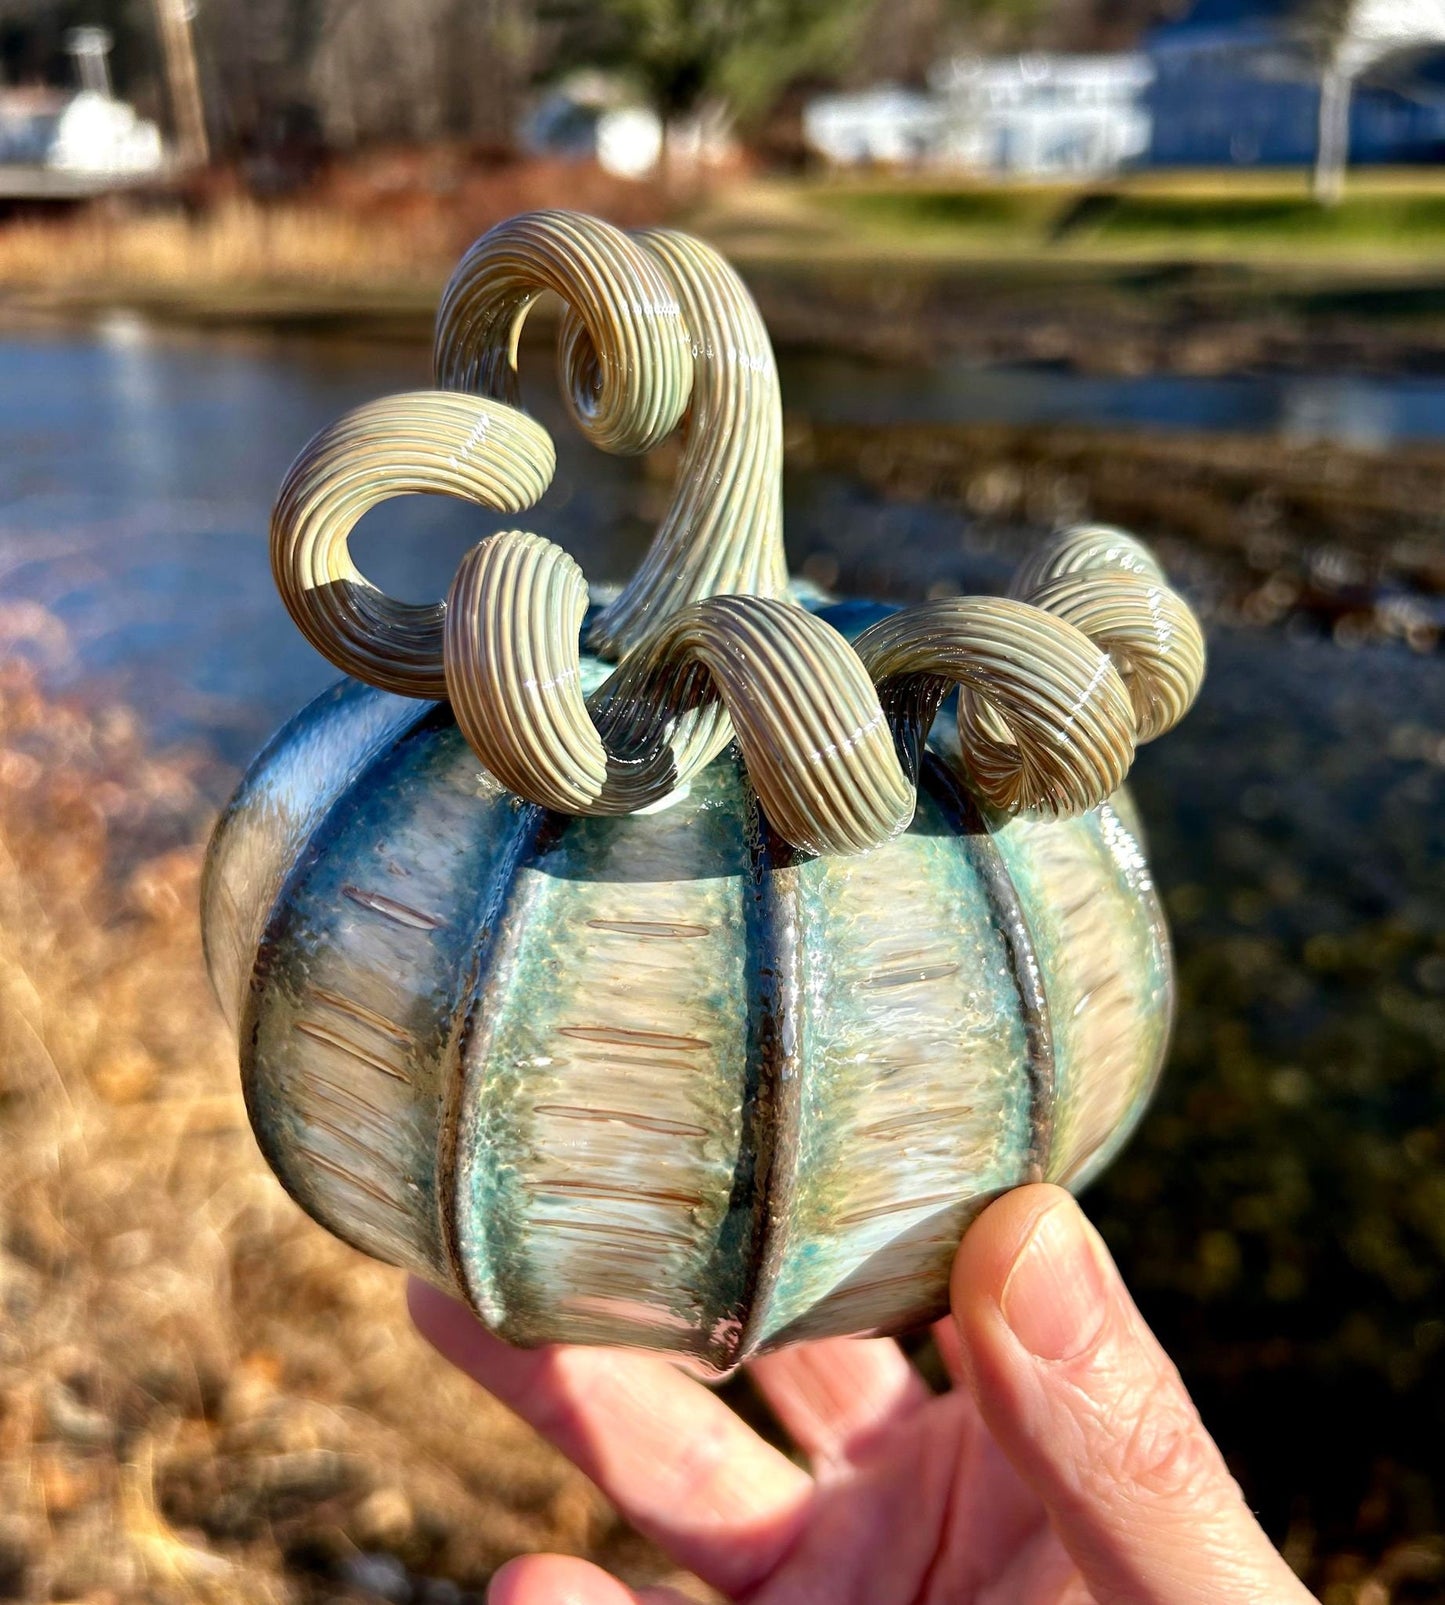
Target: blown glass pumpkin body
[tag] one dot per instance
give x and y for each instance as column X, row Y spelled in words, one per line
column 675, row 974
column 659, row 1079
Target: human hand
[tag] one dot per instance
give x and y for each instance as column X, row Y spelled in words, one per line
column 1066, row 1465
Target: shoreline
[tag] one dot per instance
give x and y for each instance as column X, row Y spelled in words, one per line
column 1149, row 273
column 1126, row 320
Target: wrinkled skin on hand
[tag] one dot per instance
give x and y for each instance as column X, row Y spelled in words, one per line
column 1067, row 1463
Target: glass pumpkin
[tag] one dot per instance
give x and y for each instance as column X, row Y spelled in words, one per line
column 658, row 1057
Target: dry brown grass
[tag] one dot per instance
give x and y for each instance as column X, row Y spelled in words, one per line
column 237, row 244
column 201, row 1394
column 386, row 228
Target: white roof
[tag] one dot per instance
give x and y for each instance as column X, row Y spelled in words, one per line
column 1378, row 28
column 1129, row 69
column 882, row 100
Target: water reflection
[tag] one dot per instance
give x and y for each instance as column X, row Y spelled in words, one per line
column 137, row 470
column 136, row 478
column 1368, row 413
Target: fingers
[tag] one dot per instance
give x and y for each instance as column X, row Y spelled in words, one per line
column 837, row 1396
column 1090, row 1409
column 950, row 1350
column 556, row 1580
column 563, row 1580
column 668, row 1453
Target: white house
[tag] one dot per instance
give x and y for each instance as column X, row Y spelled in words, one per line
column 86, row 133
column 589, row 118
column 885, row 126
column 1034, row 115
column 592, row 116
column 1040, row 115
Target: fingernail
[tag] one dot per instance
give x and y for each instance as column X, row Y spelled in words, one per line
column 1056, row 1296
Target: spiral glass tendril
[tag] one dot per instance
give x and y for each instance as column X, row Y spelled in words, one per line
column 1090, row 654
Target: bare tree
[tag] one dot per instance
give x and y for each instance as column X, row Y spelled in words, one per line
column 1349, row 37
column 254, row 59
column 690, row 55
column 420, row 69
column 173, row 22
column 351, row 72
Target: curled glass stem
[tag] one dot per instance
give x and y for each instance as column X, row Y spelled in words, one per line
column 626, row 371
column 1043, row 715
column 722, row 533
column 804, row 712
column 1110, row 585
column 1091, row 653
column 1080, row 549
column 830, row 732
column 656, row 325
column 427, row 440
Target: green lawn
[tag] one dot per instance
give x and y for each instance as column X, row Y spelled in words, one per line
column 1364, row 218
column 1385, row 215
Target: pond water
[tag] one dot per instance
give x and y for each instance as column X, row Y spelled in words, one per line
column 1367, row 412
column 1281, row 1213
column 137, row 469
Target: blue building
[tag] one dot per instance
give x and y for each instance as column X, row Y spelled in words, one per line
column 1235, row 84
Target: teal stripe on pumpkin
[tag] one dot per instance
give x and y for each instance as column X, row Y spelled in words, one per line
column 1134, row 882
column 1104, row 956
column 291, row 786
column 347, row 1069
column 912, row 1104
column 601, row 1136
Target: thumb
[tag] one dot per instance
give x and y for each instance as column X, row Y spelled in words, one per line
column 1089, row 1408
column 564, row 1580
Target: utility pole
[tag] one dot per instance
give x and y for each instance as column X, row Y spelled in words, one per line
column 173, row 17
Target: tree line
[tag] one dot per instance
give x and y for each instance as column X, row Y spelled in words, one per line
column 341, row 74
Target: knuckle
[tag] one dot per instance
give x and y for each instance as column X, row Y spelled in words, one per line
column 1165, row 1456
column 700, row 1468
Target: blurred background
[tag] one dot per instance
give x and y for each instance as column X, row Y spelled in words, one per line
column 1025, row 261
